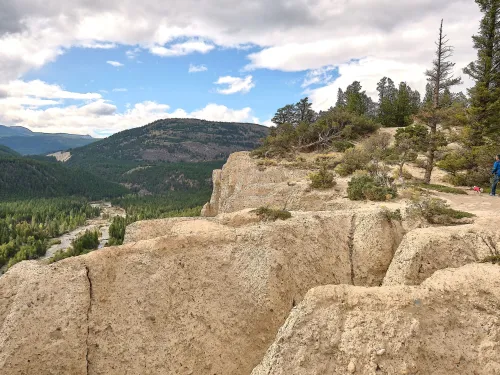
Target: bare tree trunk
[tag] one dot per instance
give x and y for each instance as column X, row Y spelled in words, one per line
column 431, row 151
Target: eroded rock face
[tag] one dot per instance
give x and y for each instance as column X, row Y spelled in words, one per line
column 425, row 251
column 44, row 319
column 203, row 302
column 243, row 184
column 449, row 325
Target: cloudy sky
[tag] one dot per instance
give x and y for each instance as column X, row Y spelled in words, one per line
column 98, row 67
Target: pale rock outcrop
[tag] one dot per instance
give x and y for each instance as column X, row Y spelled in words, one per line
column 144, row 230
column 203, row 302
column 44, row 319
column 424, row 251
column 242, row 184
column 449, row 325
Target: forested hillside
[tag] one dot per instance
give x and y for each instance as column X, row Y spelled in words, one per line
column 172, row 140
column 5, row 151
column 167, row 155
column 24, row 178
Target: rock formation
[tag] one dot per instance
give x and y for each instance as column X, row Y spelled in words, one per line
column 243, row 184
column 448, row 326
column 185, row 303
column 205, row 296
column 424, row 251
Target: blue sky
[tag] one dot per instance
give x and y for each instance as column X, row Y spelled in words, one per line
column 167, row 80
column 100, row 67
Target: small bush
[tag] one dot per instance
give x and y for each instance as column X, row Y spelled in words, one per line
column 441, row 188
column 270, row 214
column 470, row 178
column 406, row 175
column 342, row 146
column 353, row 160
column 437, row 211
column 365, row 187
column 267, row 162
column 495, row 259
column 392, row 215
column 322, row 179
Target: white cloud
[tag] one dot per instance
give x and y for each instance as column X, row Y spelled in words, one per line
column 40, row 89
column 116, row 64
column 182, row 49
column 235, row 85
column 121, row 89
column 98, row 45
column 40, row 107
column 197, row 68
column 316, row 76
column 133, row 53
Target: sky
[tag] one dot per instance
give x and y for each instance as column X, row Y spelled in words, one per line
column 98, row 67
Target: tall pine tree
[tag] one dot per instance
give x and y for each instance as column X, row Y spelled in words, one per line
column 441, row 79
column 485, row 71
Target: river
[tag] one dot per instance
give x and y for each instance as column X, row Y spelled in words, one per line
column 100, row 223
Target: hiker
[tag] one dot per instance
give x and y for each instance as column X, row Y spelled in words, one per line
column 496, row 176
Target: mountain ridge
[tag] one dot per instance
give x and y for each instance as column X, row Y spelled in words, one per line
column 28, row 142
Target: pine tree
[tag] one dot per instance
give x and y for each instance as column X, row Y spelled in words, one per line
column 485, row 71
column 441, row 78
column 341, row 102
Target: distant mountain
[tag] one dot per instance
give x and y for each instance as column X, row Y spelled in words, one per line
column 26, row 178
column 174, row 140
column 26, row 142
column 172, row 154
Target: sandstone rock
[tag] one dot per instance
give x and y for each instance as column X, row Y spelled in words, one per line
column 44, row 319
column 196, row 301
column 241, row 184
column 148, row 229
column 449, row 325
column 424, row 251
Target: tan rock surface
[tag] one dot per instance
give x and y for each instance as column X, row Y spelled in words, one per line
column 44, row 319
column 242, row 184
column 148, row 229
column 424, row 251
column 449, row 325
column 206, row 302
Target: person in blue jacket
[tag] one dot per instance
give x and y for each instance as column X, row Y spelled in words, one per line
column 496, row 176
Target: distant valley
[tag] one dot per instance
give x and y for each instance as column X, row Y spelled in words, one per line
column 172, row 155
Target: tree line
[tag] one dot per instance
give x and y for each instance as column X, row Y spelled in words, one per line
column 26, row 227
column 428, row 124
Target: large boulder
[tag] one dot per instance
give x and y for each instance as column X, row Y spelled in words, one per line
column 198, row 302
column 449, row 325
column 242, row 183
column 424, row 251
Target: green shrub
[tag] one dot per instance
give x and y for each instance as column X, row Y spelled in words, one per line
column 365, row 187
column 454, row 162
column 495, row 259
column 353, row 160
column 437, row 211
column 342, row 146
column 267, row 163
column 322, row 179
column 81, row 245
column 270, row 214
column 441, row 188
column 392, row 215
